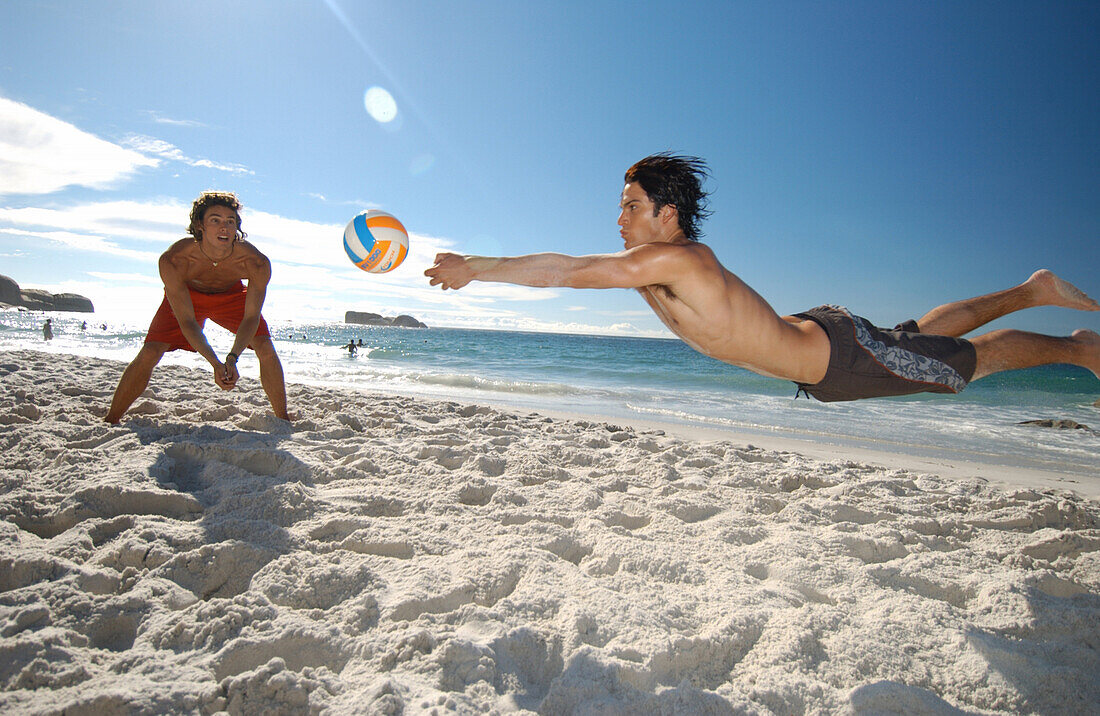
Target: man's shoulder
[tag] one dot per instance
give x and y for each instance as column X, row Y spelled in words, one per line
column 179, row 253
column 254, row 260
column 251, row 253
column 181, row 246
column 692, row 252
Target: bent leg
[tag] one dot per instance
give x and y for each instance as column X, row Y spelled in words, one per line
column 271, row 375
column 135, row 379
column 1043, row 288
column 1009, row 350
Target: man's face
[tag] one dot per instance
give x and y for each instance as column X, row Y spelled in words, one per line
column 637, row 223
column 219, row 225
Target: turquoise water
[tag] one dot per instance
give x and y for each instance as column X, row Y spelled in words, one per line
column 640, row 377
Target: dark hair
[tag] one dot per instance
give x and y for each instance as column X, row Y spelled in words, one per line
column 675, row 180
column 208, row 199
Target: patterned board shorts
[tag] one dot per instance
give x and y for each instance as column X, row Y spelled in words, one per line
column 870, row 362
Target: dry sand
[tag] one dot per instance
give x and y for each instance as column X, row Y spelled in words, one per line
column 388, row 555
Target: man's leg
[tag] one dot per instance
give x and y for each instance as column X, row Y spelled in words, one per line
column 1010, row 350
column 1042, row 289
column 271, row 375
column 135, row 379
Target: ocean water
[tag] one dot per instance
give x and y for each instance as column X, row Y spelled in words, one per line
column 624, row 378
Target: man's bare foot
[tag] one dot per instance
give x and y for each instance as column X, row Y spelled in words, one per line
column 1090, row 354
column 1050, row 290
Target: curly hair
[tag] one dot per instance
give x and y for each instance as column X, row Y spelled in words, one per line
column 208, row 199
column 677, row 181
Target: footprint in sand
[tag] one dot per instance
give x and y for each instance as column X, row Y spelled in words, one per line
column 368, row 542
column 476, row 493
column 626, row 521
column 305, row 581
column 106, row 502
column 491, row 586
column 215, row 571
column 690, row 512
column 447, row 457
column 297, row 650
column 567, row 547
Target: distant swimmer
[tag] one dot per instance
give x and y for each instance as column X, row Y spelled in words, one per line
column 351, row 347
column 829, row 352
column 47, row 330
column 203, row 278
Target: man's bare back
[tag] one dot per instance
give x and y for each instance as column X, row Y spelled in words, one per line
column 721, row 316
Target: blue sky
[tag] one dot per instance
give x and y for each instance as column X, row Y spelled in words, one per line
column 888, row 156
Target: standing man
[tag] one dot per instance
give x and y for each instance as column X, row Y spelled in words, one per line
column 829, row 352
column 203, row 279
column 47, row 330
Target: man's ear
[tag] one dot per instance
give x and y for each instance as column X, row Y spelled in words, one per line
column 668, row 213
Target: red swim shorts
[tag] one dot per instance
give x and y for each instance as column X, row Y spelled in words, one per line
column 226, row 309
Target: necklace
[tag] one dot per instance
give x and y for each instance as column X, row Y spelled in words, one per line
column 231, row 247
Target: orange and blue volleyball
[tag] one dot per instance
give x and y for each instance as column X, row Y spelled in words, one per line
column 376, row 241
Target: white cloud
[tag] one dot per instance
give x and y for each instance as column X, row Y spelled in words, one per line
column 166, row 150
column 139, row 278
column 358, row 203
column 40, row 154
column 84, row 242
column 159, row 222
column 159, row 119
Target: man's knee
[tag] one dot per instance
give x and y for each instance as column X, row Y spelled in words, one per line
column 264, row 348
column 150, row 354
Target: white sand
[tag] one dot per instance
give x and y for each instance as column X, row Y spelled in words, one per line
column 389, row 555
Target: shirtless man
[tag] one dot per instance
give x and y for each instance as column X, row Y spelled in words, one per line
column 203, row 279
column 828, row 352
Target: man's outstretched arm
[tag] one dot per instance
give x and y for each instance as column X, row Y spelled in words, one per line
column 634, row 268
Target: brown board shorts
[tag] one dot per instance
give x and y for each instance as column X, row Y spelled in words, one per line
column 870, row 362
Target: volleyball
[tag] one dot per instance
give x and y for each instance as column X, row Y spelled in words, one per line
column 376, row 241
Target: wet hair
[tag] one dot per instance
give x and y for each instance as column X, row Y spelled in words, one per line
column 677, row 181
column 208, row 199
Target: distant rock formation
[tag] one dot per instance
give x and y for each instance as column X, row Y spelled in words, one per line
column 38, row 300
column 9, row 292
column 374, row 319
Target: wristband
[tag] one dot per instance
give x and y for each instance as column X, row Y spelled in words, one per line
column 235, row 356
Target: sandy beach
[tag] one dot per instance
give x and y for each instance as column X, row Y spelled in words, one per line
column 393, row 555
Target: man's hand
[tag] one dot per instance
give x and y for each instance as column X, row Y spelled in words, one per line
column 450, row 271
column 226, row 375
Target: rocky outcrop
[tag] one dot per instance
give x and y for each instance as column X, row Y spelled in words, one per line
column 373, row 319
column 407, row 322
column 9, row 292
column 38, row 300
column 1058, row 424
